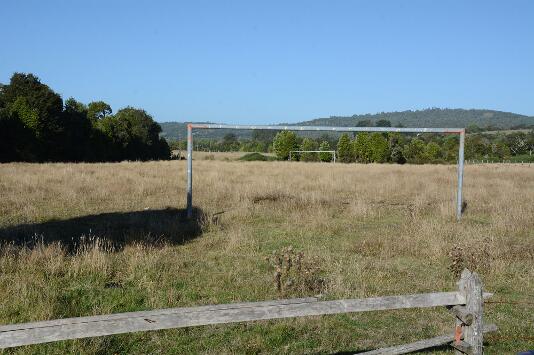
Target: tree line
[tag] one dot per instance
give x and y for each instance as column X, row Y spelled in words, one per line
column 370, row 148
column 376, row 147
column 37, row 126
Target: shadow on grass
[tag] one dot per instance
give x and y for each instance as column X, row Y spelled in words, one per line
column 112, row 231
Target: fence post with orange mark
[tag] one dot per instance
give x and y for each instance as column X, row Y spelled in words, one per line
column 468, row 335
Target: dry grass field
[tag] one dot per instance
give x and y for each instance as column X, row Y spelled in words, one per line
column 86, row 239
column 219, row 156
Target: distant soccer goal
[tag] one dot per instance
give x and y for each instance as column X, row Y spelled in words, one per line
column 459, row 131
column 333, row 152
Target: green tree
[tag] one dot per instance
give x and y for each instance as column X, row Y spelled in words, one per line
column 500, row 150
column 361, row 147
column 379, row 148
column 344, row 149
column 135, row 135
column 331, row 139
column 27, row 115
column 396, row 144
column 283, row 143
column 397, row 155
column 252, row 146
column 431, row 152
column 39, row 109
column 230, row 143
column 37, row 95
column 383, row 123
column 98, row 110
column 413, row 151
column 36, row 126
column 476, row 147
column 77, row 134
column 17, row 142
column 308, row 144
column 449, row 148
column 325, row 157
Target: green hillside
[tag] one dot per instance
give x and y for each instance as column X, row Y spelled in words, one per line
column 178, row 131
column 434, row 117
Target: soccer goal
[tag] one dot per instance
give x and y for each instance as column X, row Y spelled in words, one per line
column 333, row 152
column 459, row 131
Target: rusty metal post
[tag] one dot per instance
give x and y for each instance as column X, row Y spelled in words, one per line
column 189, row 171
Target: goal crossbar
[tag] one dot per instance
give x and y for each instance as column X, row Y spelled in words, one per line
column 459, row 131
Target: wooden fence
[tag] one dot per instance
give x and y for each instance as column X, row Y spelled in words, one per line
column 466, row 305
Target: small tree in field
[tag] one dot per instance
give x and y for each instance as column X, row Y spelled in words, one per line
column 308, row 144
column 344, row 148
column 327, row 156
column 379, row 148
column 361, row 147
column 283, row 143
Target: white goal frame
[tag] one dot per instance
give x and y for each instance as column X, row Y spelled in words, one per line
column 459, row 131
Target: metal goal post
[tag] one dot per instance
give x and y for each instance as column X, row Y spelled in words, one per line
column 459, row 131
column 333, row 152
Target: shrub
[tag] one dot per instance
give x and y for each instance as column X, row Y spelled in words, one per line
column 255, row 157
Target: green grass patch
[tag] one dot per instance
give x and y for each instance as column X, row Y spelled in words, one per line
column 256, row 157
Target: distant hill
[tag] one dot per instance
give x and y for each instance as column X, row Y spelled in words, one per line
column 433, row 117
column 178, row 131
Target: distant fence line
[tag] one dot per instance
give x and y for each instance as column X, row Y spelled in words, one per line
column 466, row 305
column 492, row 161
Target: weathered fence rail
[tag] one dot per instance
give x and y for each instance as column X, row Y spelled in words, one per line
column 466, row 304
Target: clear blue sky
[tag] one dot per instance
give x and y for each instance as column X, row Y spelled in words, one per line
column 275, row 61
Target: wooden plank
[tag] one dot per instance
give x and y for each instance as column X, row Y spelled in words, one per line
column 422, row 344
column 83, row 327
column 67, row 321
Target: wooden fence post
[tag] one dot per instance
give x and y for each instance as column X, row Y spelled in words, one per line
column 469, row 322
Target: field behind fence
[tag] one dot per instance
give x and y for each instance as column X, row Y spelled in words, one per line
column 358, row 230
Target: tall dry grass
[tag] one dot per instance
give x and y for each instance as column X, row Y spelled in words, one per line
column 362, row 230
